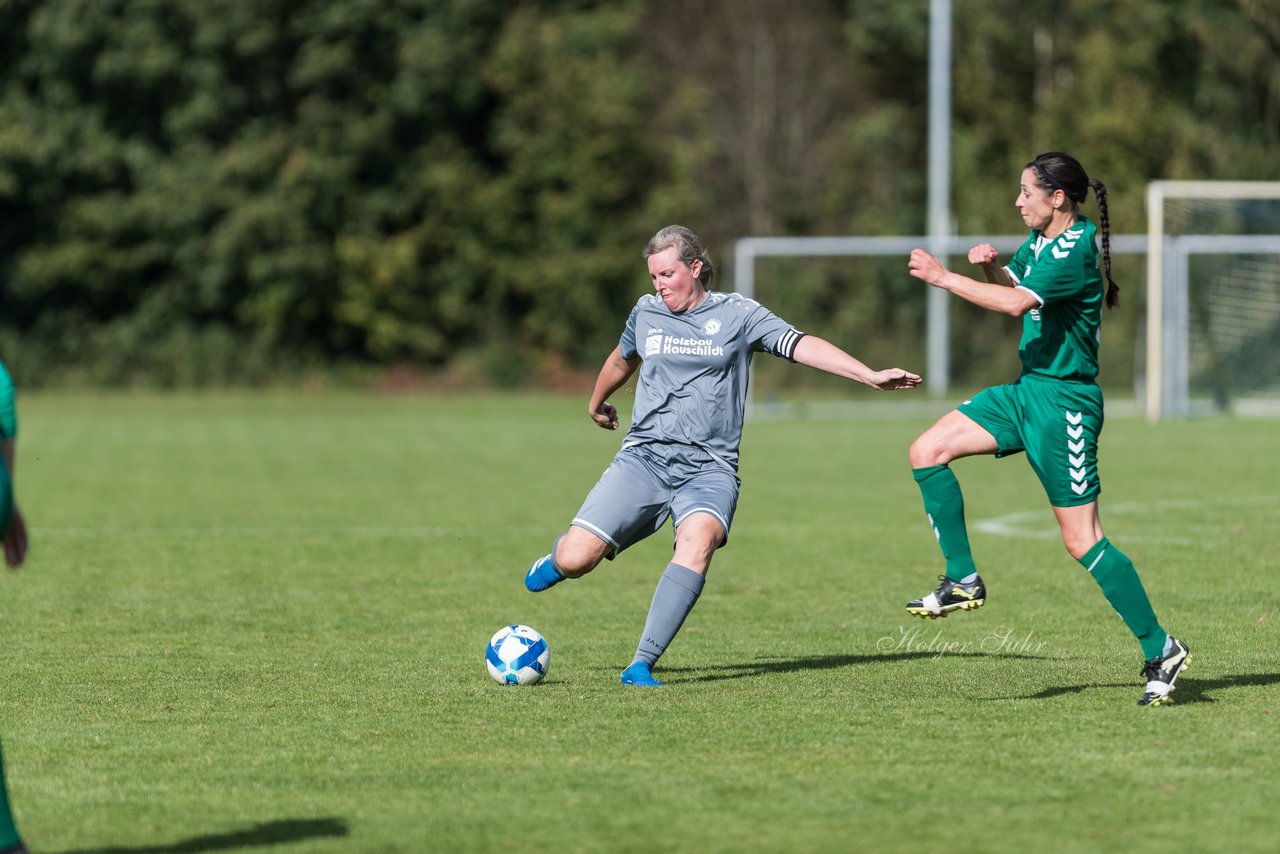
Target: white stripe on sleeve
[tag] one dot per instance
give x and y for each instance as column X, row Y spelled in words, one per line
column 786, row 344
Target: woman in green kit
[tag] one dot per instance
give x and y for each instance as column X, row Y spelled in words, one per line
column 15, row 551
column 1053, row 411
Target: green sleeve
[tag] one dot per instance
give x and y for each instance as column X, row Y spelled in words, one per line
column 8, row 408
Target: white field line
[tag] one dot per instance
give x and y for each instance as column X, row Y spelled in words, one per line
column 1040, row 524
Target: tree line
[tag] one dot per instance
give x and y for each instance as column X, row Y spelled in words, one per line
column 221, row 192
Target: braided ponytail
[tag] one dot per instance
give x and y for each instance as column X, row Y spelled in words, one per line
column 1100, row 191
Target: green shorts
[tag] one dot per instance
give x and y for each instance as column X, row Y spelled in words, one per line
column 1057, row 422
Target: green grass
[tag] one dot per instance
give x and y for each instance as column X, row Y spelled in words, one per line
column 250, row 621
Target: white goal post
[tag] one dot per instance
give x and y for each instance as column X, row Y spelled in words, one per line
column 1167, row 375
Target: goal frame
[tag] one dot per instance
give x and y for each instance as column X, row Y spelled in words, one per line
column 1167, row 286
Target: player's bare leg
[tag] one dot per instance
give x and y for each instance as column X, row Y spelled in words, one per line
column 573, row 555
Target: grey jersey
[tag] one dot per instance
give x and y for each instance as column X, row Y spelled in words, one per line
column 692, row 386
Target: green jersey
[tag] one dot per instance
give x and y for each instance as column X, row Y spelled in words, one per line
column 8, row 412
column 1060, row 336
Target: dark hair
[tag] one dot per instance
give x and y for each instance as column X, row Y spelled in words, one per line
column 1057, row 170
column 687, row 248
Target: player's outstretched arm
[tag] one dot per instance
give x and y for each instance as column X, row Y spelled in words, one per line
column 819, row 353
column 613, row 375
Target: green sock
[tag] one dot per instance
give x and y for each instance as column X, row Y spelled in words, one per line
column 944, row 505
column 1119, row 581
column 8, row 831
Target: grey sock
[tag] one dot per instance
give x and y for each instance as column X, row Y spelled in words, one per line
column 677, row 592
column 555, row 546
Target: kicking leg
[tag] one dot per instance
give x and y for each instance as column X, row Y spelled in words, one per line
column 572, row 555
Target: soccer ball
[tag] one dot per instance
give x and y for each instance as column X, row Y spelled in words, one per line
column 517, row 655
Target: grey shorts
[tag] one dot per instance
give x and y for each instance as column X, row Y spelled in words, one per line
column 647, row 484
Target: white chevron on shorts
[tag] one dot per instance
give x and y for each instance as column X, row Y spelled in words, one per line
column 1075, row 431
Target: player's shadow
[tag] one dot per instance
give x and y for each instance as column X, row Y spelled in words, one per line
column 761, row 667
column 1189, row 689
column 260, row 835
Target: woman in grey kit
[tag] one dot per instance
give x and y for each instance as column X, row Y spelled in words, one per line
column 693, row 347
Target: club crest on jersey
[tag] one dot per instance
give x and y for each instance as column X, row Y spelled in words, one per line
column 712, row 327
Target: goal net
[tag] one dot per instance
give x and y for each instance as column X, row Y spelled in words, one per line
column 1213, row 298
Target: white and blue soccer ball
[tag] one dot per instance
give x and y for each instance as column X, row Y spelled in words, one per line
column 517, row 655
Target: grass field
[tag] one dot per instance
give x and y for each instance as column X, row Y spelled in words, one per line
column 251, row 621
